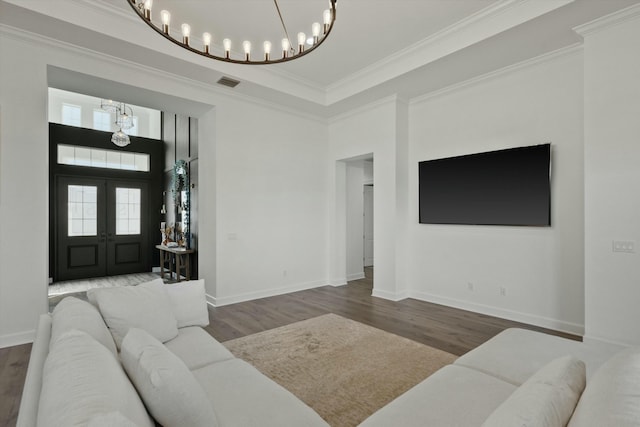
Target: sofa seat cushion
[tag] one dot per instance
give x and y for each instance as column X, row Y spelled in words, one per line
column 454, row 396
column 82, row 380
column 197, row 348
column 73, row 313
column 546, row 399
column 242, row 396
column 515, row 354
column 612, row 396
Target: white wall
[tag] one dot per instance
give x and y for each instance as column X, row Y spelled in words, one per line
column 612, row 171
column 260, row 180
column 541, row 268
column 271, row 200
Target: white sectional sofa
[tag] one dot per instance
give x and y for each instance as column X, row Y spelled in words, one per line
column 153, row 363
column 522, row 378
column 77, row 376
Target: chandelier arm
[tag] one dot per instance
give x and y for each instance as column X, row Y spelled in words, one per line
column 145, row 15
column 284, row 27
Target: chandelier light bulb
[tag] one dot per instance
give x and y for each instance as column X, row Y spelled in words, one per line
column 227, row 47
column 315, row 31
column 246, row 45
column 267, row 50
column 302, row 38
column 186, row 32
column 166, row 18
column 285, row 47
column 147, row 9
column 326, row 19
column 206, row 39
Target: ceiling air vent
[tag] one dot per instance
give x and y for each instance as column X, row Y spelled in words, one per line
column 227, row 81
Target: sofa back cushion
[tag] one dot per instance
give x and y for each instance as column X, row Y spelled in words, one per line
column 189, row 303
column 546, row 399
column 72, row 313
column 145, row 306
column 82, row 380
column 167, row 387
column 612, row 396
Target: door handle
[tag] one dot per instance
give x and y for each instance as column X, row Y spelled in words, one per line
column 102, row 236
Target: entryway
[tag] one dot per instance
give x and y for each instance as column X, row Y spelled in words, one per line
column 101, row 227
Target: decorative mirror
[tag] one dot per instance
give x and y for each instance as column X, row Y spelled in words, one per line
column 180, row 192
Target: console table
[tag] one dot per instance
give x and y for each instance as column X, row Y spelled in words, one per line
column 182, row 258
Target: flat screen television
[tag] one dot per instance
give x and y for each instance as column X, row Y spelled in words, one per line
column 505, row 187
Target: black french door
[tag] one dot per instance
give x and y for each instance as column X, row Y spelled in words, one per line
column 101, row 227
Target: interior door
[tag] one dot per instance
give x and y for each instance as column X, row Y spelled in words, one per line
column 368, row 225
column 100, row 228
column 81, row 228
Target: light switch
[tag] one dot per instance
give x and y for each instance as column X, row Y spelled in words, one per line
column 626, row 246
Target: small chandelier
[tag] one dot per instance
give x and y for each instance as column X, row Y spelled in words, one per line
column 124, row 120
column 318, row 34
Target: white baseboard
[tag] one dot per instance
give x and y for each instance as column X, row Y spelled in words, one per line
column 391, row 296
column 211, row 300
column 338, row 282
column 17, row 339
column 355, row 276
column 544, row 322
column 600, row 341
column 232, row 299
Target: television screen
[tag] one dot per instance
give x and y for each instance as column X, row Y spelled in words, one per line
column 506, row 187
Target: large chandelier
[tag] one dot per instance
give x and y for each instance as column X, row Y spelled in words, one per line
column 124, row 120
column 290, row 51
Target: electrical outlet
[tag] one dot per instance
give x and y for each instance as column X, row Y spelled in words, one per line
column 284, row 273
column 503, row 291
column 470, row 286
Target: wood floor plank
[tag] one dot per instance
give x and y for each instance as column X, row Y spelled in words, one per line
column 449, row 329
column 13, row 369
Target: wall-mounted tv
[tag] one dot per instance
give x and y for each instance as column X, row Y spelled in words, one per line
column 505, row 187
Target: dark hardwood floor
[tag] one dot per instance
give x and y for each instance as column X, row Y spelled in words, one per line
column 449, row 329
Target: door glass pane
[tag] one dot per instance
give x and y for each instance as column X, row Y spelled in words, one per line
column 82, row 210
column 127, row 211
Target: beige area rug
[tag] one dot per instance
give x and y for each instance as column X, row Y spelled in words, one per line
column 343, row 369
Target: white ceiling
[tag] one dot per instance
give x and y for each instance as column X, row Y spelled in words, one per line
column 377, row 48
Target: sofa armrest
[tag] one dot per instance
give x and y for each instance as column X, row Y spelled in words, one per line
column 28, row 414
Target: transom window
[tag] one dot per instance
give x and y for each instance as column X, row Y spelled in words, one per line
column 82, row 210
column 71, row 114
column 101, row 120
column 97, row 158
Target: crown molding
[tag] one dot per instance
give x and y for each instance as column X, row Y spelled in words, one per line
column 607, row 21
column 39, row 40
column 547, row 57
column 391, row 99
column 485, row 23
